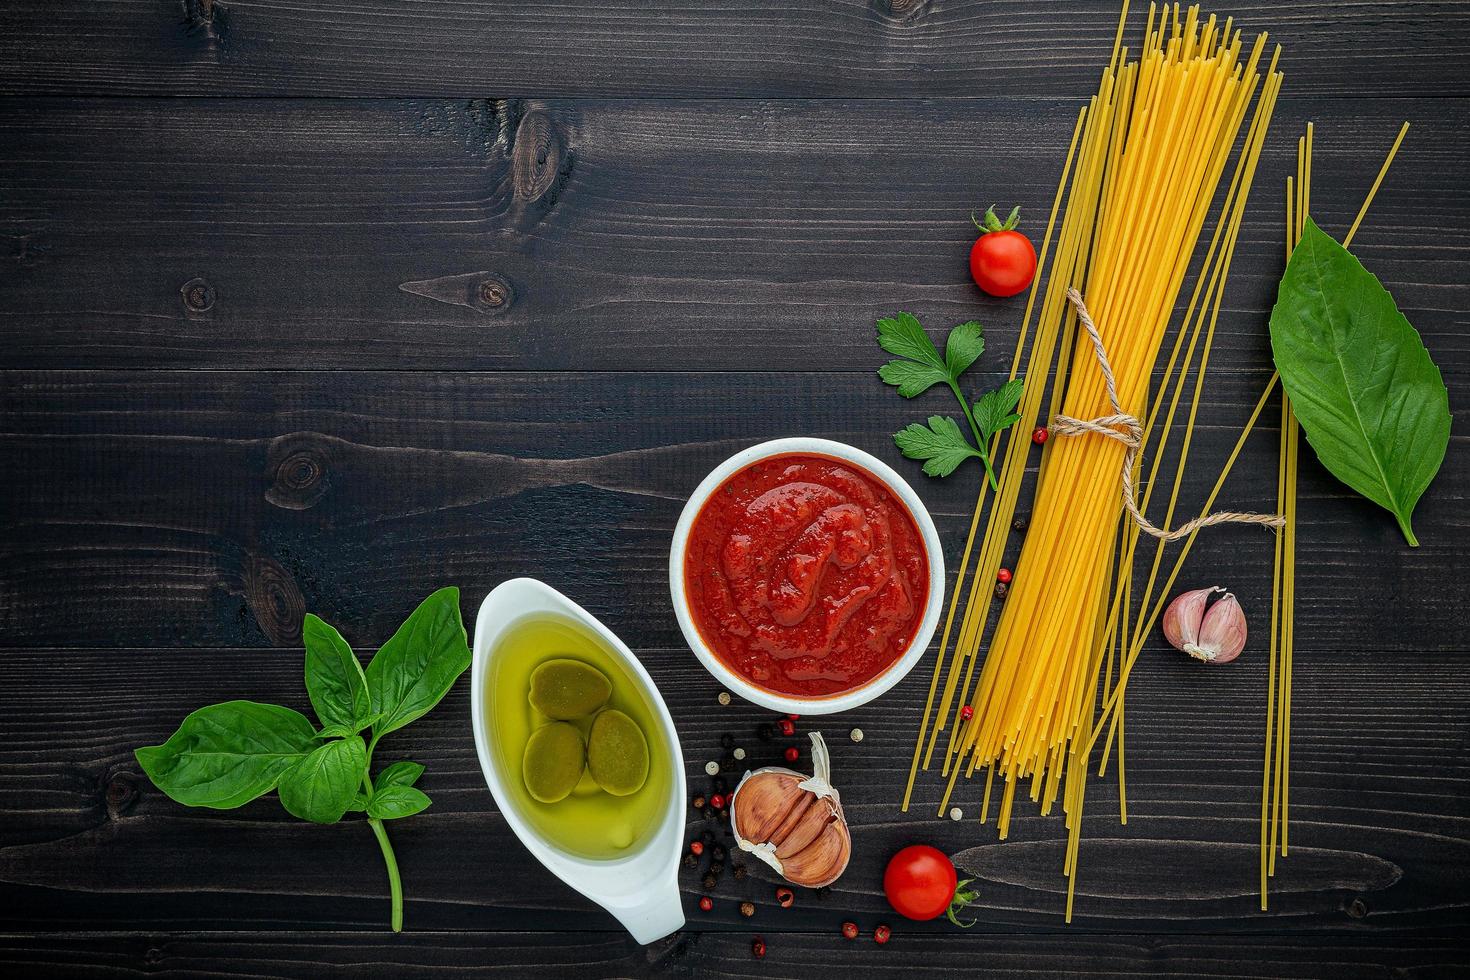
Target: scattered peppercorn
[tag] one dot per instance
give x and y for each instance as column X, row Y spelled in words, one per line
column 690, row 861
column 739, row 872
column 966, row 713
column 710, row 881
column 785, row 897
column 758, row 948
column 881, row 935
column 723, row 697
column 725, row 814
column 786, row 726
column 717, row 801
column 1038, row 436
column 698, row 803
column 708, row 813
column 706, row 904
column 720, row 784
column 718, row 852
column 849, row 930
column 1003, row 575
column 1000, row 590
column 747, row 909
column 1019, row 524
column 727, row 741
column 696, row 847
column 792, row 753
column 856, row 734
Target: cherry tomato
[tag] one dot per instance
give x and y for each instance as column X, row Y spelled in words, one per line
column 920, row 882
column 1002, row 259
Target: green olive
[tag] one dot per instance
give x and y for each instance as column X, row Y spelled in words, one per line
column 553, row 763
column 617, row 753
column 567, row 689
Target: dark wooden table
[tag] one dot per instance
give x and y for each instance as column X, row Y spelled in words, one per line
column 323, row 306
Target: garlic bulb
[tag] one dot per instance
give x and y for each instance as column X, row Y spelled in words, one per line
column 1215, row 635
column 794, row 822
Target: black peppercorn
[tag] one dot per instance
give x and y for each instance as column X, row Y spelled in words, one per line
column 720, row 784
column 1019, row 524
column 718, row 852
column 727, row 741
column 690, row 861
column 1000, row 590
column 710, row 882
column 709, row 813
column 739, row 872
column 716, row 869
column 725, row 814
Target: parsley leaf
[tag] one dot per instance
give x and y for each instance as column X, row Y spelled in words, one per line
column 943, row 445
column 996, row 410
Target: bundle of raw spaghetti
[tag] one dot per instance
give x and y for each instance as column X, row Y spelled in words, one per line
column 1146, row 165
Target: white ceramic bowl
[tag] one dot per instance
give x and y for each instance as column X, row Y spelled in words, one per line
column 738, row 684
column 642, row 888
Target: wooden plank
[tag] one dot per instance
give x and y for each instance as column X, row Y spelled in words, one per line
column 887, row 48
column 573, row 955
column 608, row 235
column 214, row 508
column 1379, row 810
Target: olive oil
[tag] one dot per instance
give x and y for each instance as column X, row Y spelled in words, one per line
column 590, row 823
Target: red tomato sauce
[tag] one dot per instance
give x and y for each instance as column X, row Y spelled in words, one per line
column 806, row 575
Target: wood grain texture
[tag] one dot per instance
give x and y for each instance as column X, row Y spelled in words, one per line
column 1379, row 810
column 213, row 509
column 613, row 234
column 247, row 956
column 674, row 47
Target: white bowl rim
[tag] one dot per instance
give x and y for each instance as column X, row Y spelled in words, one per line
column 875, row 467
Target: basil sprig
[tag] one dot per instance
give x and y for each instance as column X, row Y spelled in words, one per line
column 225, row 755
column 1371, row 402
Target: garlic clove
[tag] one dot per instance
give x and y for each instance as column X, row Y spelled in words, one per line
column 1222, row 634
column 805, row 830
column 822, row 861
column 1185, row 615
column 764, row 800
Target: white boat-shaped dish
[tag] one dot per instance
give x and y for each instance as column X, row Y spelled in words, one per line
column 640, row 889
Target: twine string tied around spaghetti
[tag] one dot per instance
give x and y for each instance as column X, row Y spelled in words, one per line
column 1125, row 428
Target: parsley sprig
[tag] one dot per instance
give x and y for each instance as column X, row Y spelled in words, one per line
column 941, row 444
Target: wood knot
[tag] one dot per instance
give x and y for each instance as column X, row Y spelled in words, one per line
column 483, row 292
column 299, row 467
column 1357, row 908
column 899, row 10
column 120, row 793
column 275, row 600
column 537, row 158
column 198, row 296
column 207, row 17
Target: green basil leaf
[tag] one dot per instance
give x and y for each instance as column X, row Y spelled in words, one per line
column 396, row 802
column 910, row 378
column 1370, row 401
column 902, row 336
column 965, row 345
column 420, row 663
column 334, row 679
column 359, row 802
column 226, row 755
column 399, row 774
column 322, row 786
